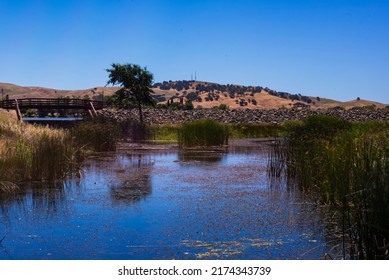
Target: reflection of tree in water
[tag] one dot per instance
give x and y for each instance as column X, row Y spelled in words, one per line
column 210, row 156
column 136, row 184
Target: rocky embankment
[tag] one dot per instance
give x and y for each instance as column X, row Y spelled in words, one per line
column 274, row 116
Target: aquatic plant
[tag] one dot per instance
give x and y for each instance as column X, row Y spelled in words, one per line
column 203, row 133
column 137, row 132
column 35, row 153
column 97, row 136
column 128, row 129
column 8, row 188
column 165, row 132
column 169, row 132
column 255, row 130
column 347, row 165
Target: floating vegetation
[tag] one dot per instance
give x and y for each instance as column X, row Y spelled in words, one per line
column 229, row 248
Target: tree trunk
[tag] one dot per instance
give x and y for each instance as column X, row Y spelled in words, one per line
column 140, row 112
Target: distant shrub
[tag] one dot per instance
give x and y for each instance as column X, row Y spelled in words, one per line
column 223, row 107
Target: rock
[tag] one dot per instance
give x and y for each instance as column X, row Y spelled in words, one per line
column 248, row 116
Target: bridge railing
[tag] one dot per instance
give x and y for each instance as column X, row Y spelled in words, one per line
column 54, row 103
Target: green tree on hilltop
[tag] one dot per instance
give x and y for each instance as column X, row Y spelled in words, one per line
column 136, row 85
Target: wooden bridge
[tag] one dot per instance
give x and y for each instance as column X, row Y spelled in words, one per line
column 90, row 106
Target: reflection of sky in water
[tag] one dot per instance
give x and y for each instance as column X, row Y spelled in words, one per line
column 164, row 205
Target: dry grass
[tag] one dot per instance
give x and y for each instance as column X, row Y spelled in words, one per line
column 34, row 153
column 8, row 188
column 264, row 100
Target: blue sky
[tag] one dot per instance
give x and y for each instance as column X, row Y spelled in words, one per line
column 334, row 49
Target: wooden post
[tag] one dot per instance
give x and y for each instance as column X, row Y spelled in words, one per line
column 93, row 109
column 18, row 113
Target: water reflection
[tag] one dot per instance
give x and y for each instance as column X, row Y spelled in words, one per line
column 36, row 196
column 165, row 204
column 207, row 156
column 136, row 182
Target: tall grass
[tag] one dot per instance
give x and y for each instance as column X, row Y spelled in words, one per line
column 165, row 132
column 347, row 165
column 255, row 130
column 168, row 132
column 127, row 129
column 35, row 153
column 96, row 136
column 203, row 133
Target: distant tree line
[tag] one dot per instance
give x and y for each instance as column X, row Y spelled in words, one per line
column 192, row 91
column 290, row 96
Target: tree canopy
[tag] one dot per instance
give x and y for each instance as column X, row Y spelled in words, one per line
column 136, row 85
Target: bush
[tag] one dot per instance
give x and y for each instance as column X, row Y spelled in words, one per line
column 223, row 107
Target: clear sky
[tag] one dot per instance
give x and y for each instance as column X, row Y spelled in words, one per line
column 331, row 48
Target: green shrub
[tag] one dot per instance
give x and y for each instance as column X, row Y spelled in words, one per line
column 223, row 107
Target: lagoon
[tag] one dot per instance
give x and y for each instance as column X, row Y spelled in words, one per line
column 160, row 202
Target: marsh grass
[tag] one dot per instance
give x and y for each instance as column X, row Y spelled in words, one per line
column 8, row 188
column 35, row 153
column 165, row 132
column 240, row 131
column 128, row 130
column 139, row 132
column 347, row 165
column 203, row 133
column 170, row 132
column 96, row 136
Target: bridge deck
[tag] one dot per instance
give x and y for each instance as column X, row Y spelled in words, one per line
column 51, row 103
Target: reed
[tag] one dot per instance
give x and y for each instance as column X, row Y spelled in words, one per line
column 128, row 129
column 96, row 136
column 170, row 132
column 203, row 133
column 139, row 132
column 346, row 165
column 165, row 132
column 35, row 153
column 8, row 188
column 255, row 130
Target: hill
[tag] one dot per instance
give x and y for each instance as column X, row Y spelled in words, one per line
column 202, row 94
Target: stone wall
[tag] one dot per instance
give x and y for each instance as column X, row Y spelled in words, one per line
column 274, row 116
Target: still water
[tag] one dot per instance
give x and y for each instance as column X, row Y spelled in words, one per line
column 158, row 202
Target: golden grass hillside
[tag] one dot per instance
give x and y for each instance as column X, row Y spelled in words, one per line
column 245, row 100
